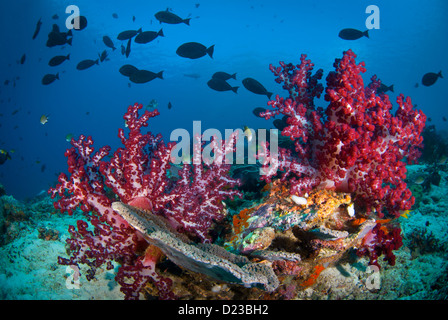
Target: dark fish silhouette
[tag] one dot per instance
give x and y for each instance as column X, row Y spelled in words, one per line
column 257, row 111
column 85, row 64
column 128, row 48
column 352, row 34
column 57, row 60
column 280, row 124
column 55, row 16
column 383, row 88
column 49, row 78
column 221, row 85
column 57, row 38
column 223, row 75
column 143, row 76
column 103, row 55
column 430, row 78
column 148, row 36
column 22, row 59
column 169, row 105
column 114, row 15
column 128, row 34
column 170, row 18
column 36, row 31
column 192, row 75
column 256, row 87
column 108, row 42
column 194, row 50
column 82, row 23
column 127, row 70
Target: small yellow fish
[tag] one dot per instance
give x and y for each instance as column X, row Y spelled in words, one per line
column 44, row 119
column 406, row 213
column 247, row 133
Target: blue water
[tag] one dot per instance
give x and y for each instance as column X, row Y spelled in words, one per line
column 248, row 36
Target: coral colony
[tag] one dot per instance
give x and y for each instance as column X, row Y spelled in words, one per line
column 340, row 190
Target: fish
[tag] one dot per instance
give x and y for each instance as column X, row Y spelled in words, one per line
column 169, row 105
column 85, row 64
column 49, row 78
column 38, row 25
column 143, row 76
column 82, row 23
column 57, row 60
column 383, row 88
column 57, row 38
column 444, row 119
column 114, row 15
column 4, row 155
column 128, row 34
column 257, row 111
column 133, row 18
column 220, row 85
column 280, row 124
column 430, row 78
column 194, row 50
column 353, row 34
column 223, row 75
column 55, row 16
column 42, row 168
column 69, row 137
column 256, row 87
column 22, row 59
column 108, row 42
column 152, row 104
column 127, row 70
column 44, row 119
column 419, row 180
column 148, row 36
column 170, row 18
column 103, row 55
column 128, row 48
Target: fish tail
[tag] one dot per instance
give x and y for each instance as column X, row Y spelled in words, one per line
column 234, row 89
column 391, row 88
column 366, row 34
column 69, row 41
column 186, row 21
column 269, row 94
column 160, row 75
column 233, row 76
column 97, row 61
column 68, row 57
column 440, row 74
column 210, row 51
column 57, row 76
column 113, row 48
column 160, row 33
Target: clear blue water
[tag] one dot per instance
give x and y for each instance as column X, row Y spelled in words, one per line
column 248, row 36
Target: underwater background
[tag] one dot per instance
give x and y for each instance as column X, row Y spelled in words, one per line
column 37, row 120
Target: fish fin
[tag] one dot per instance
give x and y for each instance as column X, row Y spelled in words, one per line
column 269, row 94
column 160, row 75
column 440, row 74
column 366, row 34
column 139, row 30
column 187, row 21
column 234, row 89
column 160, row 33
column 233, row 76
column 210, row 51
column 391, row 88
column 69, row 41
